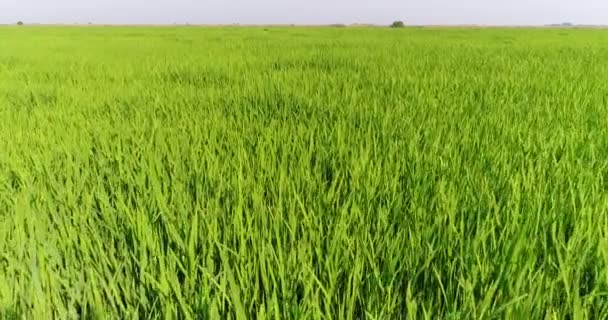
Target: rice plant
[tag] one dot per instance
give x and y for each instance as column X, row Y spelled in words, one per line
column 303, row 173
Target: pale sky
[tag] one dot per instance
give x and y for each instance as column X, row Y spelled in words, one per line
column 488, row 12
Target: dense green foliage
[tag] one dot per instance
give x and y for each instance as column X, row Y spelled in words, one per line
column 303, row 173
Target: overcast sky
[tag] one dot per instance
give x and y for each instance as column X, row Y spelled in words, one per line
column 490, row 12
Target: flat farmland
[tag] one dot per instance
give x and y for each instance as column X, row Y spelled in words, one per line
column 303, row 173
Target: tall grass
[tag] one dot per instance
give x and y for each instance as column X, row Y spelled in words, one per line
column 303, row 173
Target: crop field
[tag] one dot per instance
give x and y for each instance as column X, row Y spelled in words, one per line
column 303, row 173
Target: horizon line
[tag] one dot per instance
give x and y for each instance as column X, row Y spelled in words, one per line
column 337, row 24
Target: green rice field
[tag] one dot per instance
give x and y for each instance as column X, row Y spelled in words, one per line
column 303, row 173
